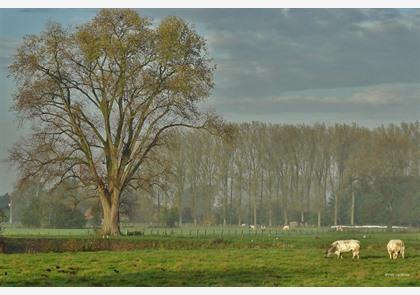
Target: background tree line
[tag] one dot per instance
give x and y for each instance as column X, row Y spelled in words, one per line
column 272, row 174
column 258, row 173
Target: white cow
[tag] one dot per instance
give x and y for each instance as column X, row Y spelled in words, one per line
column 394, row 248
column 252, row 226
column 342, row 246
column 286, row 227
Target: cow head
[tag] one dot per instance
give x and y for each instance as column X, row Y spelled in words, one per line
column 330, row 251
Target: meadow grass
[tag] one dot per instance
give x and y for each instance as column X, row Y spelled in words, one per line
column 295, row 260
column 186, row 231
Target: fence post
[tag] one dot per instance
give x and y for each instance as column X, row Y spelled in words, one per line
column 242, row 234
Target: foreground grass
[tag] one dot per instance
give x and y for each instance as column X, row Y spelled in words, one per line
column 292, row 261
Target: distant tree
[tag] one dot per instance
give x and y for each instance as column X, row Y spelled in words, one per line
column 4, row 201
column 170, row 216
column 342, row 142
column 389, row 162
column 66, row 217
column 33, row 214
column 101, row 98
column 3, row 216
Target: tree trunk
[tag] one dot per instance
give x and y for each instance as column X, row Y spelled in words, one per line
column 319, row 218
column 194, row 201
column 111, row 221
column 352, row 208
column 255, row 200
column 158, row 208
column 390, row 217
column 336, row 209
column 180, row 209
column 225, row 199
column 249, row 198
column 286, row 219
column 261, row 211
column 270, row 203
column 231, row 200
column 278, row 200
column 240, row 200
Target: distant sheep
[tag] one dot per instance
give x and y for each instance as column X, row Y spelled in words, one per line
column 286, row 227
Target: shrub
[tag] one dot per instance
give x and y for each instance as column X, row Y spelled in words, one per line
column 32, row 215
column 66, row 217
column 170, row 216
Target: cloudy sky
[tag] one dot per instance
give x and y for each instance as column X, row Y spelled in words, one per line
column 273, row 65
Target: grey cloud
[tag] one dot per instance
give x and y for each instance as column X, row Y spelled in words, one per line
column 309, row 48
column 396, row 101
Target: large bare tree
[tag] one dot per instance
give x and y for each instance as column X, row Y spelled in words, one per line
column 102, row 96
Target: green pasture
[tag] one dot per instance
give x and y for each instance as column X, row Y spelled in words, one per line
column 275, row 260
column 231, row 232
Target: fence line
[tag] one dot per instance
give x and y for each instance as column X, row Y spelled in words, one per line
column 197, row 232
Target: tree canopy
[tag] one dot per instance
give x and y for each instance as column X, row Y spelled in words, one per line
column 103, row 96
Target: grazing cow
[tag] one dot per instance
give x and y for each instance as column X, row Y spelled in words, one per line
column 286, row 227
column 342, row 246
column 394, row 248
column 252, row 226
column 263, row 228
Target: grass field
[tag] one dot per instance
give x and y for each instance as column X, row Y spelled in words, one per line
column 294, row 260
column 185, row 231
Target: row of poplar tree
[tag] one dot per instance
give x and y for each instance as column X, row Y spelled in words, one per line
column 272, row 174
